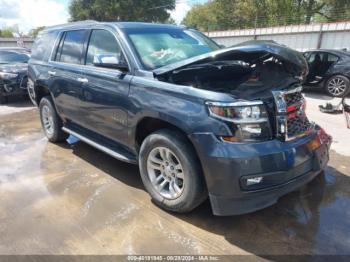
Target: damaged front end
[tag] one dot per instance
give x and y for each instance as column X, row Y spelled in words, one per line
column 263, row 77
column 247, row 71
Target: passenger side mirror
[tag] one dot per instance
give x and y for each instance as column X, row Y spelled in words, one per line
column 110, row 61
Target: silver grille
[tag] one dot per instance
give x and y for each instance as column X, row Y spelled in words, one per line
column 291, row 119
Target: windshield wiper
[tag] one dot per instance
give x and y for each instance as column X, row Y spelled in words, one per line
column 217, row 65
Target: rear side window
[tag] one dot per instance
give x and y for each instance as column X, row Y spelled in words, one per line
column 332, row 58
column 71, row 47
column 43, row 45
column 102, row 42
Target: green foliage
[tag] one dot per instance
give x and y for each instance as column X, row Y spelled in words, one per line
column 121, row 10
column 6, row 32
column 170, row 21
column 34, row 32
column 234, row 14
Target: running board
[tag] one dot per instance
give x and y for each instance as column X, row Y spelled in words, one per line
column 100, row 147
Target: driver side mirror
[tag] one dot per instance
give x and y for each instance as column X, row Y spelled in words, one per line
column 110, row 61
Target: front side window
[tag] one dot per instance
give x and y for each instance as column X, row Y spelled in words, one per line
column 71, row 47
column 10, row 57
column 102, row 43
column 160, row 47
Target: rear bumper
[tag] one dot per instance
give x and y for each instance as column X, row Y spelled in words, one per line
column 282, row 166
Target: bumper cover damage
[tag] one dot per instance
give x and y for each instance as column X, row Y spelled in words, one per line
column 287, row 167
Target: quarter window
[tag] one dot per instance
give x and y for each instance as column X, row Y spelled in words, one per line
column 71, row 47
column 102, row 42
column 42, row 47
column 332, row 58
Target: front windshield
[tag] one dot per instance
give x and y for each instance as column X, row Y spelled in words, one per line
column 160, row 47
column 10, row 57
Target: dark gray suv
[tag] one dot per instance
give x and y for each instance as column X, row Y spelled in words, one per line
column 200, row 121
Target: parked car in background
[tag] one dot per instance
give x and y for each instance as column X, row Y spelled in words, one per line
column 329, row 69
column 13, row 72
column 200, row 121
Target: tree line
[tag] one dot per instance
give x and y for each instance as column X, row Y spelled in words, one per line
column 111, row 10
column 240, row 14
column 208, row 16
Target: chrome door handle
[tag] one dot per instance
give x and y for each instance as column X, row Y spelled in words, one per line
column 82, row 80
column 51, row 73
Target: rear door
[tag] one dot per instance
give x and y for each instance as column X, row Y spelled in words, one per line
column 319, row 64
column 66, row 74
column 105, row 90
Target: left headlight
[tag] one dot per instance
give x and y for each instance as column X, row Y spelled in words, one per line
column 247, row 120
column 5, row 75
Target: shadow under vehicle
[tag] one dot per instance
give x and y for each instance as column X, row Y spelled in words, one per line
column 330, row 70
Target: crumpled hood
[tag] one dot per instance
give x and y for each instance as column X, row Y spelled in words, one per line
column 14, row 68
column 251, row 51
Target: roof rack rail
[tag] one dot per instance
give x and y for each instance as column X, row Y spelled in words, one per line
column 84, row 22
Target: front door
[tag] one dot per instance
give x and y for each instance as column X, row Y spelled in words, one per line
column 105, row 90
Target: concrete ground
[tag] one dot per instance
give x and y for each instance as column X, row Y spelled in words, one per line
column 60, row 199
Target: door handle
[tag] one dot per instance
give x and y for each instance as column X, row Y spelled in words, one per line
column 82, row 80
column 51, row 73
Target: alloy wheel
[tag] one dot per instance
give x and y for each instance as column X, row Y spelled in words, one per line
column 47, row 119
column 336, row 86
column 165, row 172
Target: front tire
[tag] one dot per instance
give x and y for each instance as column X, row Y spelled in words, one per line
column 337, row 86
column 171, row 172
column 50, row 121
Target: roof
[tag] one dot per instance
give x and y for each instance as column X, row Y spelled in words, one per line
column 135, row 25
column 121, row 25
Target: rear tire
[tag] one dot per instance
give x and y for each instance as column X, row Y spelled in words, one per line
column 171, row 172
column 50, row 121
column 337, row 86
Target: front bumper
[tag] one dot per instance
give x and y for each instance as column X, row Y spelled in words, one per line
column 283, row 167
column 15, row 86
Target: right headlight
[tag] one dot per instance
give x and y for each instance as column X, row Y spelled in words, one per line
column 247, row 120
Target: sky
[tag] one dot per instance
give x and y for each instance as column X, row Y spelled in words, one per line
column 28, row 14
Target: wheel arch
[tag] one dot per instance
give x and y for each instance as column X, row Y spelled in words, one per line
column 149, row 124
column 40, row 92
